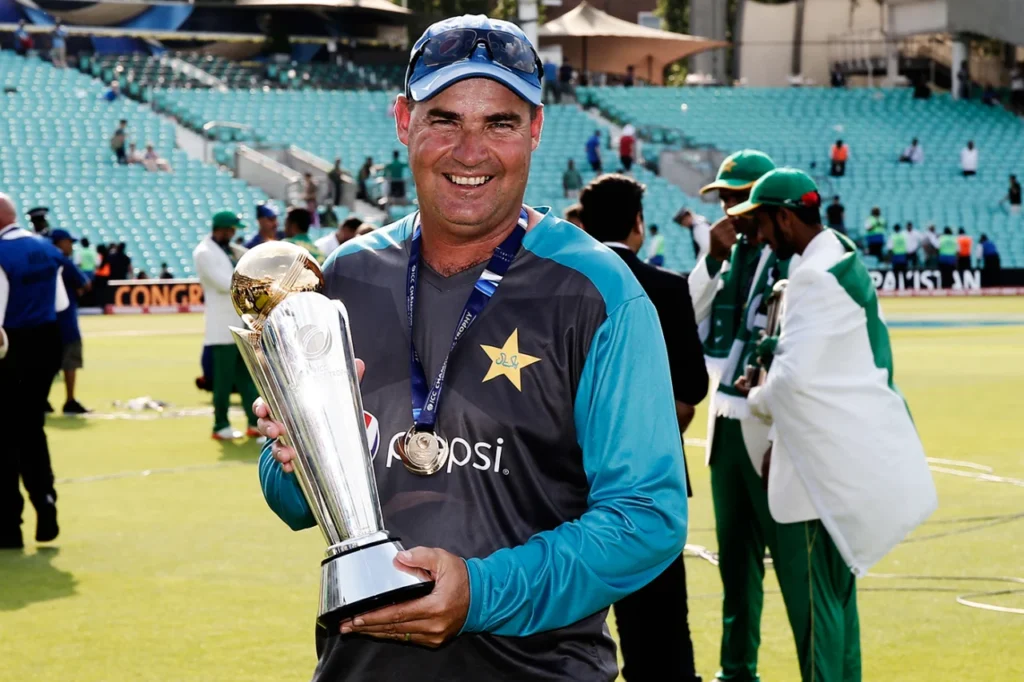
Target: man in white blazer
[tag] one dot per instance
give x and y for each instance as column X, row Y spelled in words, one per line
column 215, row 259
column 846, row 462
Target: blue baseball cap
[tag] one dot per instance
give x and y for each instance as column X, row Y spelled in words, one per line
column 265, row 210
column 473, row 46
column 60, row 235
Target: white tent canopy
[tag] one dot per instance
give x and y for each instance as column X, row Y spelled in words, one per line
column 595, row 41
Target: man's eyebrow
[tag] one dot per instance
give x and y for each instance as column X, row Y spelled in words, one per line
column 445, row 114
column 504, row 117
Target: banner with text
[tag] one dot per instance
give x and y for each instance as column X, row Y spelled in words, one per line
column 155, row 296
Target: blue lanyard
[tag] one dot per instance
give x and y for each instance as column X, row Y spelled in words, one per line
column 424, row 403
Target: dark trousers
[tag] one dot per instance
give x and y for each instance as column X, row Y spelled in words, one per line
column 838, row 169
column 963, row 263
column 654, row 631
column 336, row 188
column 899, row 265
column 946, row 266
column 122, row 156
column 990, row 273
column 627, row 162
column 229, row 371
column 25, row 376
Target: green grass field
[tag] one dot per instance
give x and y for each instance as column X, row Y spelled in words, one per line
column 170, row 566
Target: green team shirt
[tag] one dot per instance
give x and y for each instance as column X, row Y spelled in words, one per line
column 396, row 170
column 305, row 242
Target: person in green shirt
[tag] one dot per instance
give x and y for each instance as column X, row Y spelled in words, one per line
column 395, row 173
column 572, row 181
column 87, row 257
column 296, row 231
column 874, row 233
column 898, row 250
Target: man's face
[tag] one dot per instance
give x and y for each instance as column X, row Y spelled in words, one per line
column 65, row 246
column 40, row 223
column 346, row 234
column 290, row 229
column 743, row 223
column 268, row 225
column 469, row 152
column 224, row 235
column 776, row 230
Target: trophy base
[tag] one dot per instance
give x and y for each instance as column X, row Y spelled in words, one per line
column 364, row 579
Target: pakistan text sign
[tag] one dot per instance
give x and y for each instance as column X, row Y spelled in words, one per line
column 917, row 280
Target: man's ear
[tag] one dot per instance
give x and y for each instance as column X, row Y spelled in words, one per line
column 536, row 126
column 788, row 223
column 403, row 117
column 638, row 228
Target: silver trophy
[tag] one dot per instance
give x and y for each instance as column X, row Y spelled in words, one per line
column 298, row 349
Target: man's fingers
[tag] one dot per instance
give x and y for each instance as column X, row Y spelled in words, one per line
column 418, row 609
column 425, row 626
column 360, row 368
column 284, row 455
column 270, row 428
column 427, row 558
column 260, row 408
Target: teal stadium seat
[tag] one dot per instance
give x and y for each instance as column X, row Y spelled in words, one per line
column 797, row 126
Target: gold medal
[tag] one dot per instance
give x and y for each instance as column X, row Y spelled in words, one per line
column 422, row 452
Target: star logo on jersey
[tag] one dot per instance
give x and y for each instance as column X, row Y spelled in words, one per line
column 507, row 361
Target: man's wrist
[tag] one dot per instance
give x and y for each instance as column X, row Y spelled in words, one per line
column 472, row 576
column 713, row 263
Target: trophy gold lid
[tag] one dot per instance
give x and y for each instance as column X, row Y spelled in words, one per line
column 267, row 273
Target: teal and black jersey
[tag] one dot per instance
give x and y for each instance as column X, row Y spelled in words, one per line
column 564, row 489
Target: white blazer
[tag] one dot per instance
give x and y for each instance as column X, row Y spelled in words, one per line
column 214, row 269
column 845, row 448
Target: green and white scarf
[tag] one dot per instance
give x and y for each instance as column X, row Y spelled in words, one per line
column 736, row 321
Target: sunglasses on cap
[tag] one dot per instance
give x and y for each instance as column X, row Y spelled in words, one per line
column 449, row 47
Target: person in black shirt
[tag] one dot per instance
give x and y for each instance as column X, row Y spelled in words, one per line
column 564, row 79
column 653, row 629
column 836, row 214
column 120, row 263
column 1013, row 196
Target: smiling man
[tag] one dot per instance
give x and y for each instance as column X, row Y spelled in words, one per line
column 531, row 453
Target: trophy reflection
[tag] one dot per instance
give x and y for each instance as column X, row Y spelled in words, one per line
column 298, row 349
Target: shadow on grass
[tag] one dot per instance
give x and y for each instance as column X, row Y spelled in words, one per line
column 241, row 450
column 31, row 578
column 66, row 423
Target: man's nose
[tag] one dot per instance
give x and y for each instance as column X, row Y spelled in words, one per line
column 471, row 150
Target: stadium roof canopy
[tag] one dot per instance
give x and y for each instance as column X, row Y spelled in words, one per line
column 601, row 42
column 373, row 5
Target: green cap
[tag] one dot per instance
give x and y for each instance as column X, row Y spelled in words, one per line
column 225, row 219
column 787, row 187
column 741, row 170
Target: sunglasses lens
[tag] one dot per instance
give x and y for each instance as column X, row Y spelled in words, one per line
column 449, row 47
column 512, row 52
